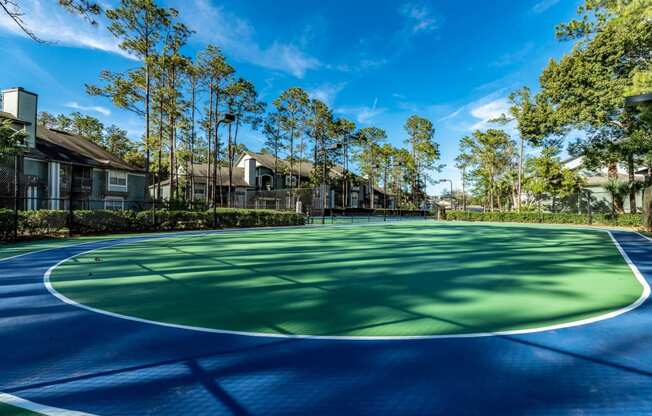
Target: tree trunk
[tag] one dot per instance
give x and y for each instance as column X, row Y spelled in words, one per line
column 520, row 176
column 210, row 191
column 192, row 147
column 631, row 171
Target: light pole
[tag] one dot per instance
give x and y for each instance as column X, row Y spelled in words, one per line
column 226, row 119
column 451, row 196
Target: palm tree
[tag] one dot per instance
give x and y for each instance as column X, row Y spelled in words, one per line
column 618, row 190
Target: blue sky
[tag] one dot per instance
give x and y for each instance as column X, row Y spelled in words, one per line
column 374, row 61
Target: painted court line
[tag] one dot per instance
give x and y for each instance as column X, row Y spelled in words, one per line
column 37, row 407
column 639, row 277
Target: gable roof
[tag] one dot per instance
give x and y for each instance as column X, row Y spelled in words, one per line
column 267, row 160
column 200, row 171
column 13, row 118
column 66, row 147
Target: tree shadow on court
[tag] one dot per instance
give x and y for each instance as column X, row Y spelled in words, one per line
column 73, row 359
column 385, row 280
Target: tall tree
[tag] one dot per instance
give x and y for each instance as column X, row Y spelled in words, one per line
column 193, row 75
column 292, row 107
column 139, row 25
column 217, row 73
column 174, row 64
column 47, row 120
column 424, row 150
column 117, row 142
column 532, row 117
column 489, row 155
column 320, row 128
column 274, row 140
column 345, row 133
column 587, row 86
column 462, row 162
column 369, row 140
column 88, row 127
column 242, row 102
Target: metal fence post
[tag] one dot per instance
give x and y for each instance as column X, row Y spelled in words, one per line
column 16, row 196
column 71, row 215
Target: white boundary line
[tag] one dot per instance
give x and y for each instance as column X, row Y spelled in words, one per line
column 639, row 277
column 644, row 236
column 209, row 231
column 37, row 407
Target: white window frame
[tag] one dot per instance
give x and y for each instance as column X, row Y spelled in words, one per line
column 291, row 180
column 117, row 174
column 112, row 199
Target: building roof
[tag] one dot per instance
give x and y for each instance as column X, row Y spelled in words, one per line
column 601, row 180
column 200, row 171
column 13, row 118
column 267, row 160
column 66, row 147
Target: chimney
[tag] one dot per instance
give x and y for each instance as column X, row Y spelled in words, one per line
column 22, row 105
column 250, row 171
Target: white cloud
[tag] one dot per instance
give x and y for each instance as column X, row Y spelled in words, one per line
column 237, row 36
column 363, row 114
column 452, row 115
column 419, row 17
column 95, row 108
column 544, row 5
column 489, row 111
column 326, row 92
column 51, row 23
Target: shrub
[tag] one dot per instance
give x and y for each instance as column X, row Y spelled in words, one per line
column 43, row 222
column 36, row 224
column 102, row 221
column 622, row 220
column 6, row 224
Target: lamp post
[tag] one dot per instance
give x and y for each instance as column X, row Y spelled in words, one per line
column 226, row 119
column 451, row 196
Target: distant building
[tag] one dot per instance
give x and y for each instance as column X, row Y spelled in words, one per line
column 255, row 184
column 60, row 170
column 597, row 180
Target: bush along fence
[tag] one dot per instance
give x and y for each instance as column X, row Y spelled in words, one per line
column 37, row 224
column 621, row 220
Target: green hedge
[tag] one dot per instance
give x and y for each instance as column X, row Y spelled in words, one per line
column 35, row 224
column 622, row 220
column 6, row 224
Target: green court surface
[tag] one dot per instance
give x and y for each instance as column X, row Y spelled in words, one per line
column 17, row 249
column 402, row 279
column 7, row 410
column 24, row 247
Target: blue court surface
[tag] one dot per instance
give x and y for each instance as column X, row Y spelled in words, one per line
column 59, row 358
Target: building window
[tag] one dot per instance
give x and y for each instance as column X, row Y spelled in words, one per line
column 114, row 204
column 117, row 180
column 200, row 192
column 291, row 181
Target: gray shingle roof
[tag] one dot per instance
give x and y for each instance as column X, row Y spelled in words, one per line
column 80, row 149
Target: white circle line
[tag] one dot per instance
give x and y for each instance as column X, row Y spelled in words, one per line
column 639, row 277
column 37, row 407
